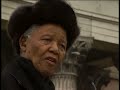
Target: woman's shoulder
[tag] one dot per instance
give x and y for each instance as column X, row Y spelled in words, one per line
column 11, row 67
column 15, row 74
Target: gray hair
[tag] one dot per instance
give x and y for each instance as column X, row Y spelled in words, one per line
column 28, row 32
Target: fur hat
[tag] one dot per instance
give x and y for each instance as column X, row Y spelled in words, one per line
column 42, row 12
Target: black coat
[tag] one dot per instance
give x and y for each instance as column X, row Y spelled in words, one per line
column 21, row 75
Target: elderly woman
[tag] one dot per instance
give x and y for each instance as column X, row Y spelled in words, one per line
column 41, row 34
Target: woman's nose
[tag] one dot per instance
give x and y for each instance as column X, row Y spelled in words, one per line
column 54, row 48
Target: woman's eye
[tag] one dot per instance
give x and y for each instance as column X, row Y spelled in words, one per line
column 46, row 40
column 63, row 46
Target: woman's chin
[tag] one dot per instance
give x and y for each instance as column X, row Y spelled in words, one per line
column 47, row 73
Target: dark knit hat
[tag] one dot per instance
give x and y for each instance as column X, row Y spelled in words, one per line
column 43, row 12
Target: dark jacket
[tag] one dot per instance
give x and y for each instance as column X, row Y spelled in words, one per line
column 21, row 75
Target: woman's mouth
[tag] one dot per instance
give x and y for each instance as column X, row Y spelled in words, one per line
column 51, row 60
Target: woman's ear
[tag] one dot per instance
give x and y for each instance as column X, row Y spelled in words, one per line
column 22, row 43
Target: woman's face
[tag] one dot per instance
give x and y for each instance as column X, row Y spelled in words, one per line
column 46, row 48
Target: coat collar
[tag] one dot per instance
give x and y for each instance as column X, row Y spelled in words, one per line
column 30, row 78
